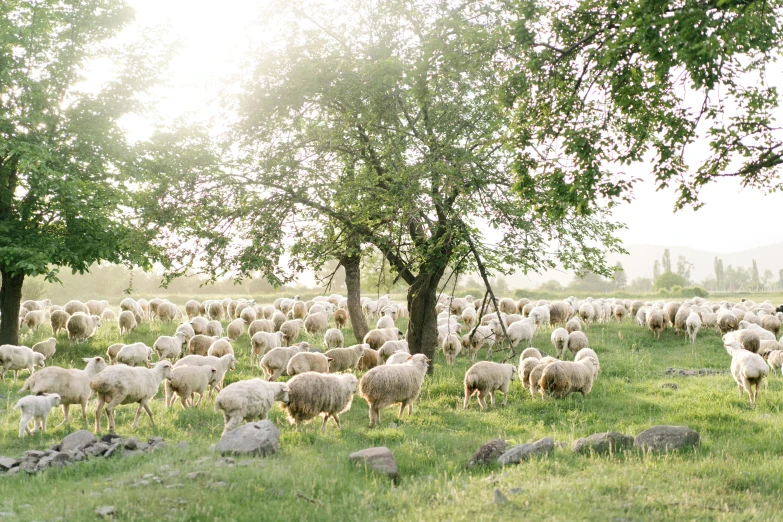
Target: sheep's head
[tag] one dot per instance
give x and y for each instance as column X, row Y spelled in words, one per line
column 165, row 368
column 282, row 394
column 351, row 381
column 54, row 398
column 39, row 360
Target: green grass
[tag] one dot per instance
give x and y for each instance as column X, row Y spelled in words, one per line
column 736, row 474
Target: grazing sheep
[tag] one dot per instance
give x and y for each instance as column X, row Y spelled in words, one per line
column 333, row 338
column 47, row 347
column 526, row 365
column 486, row 378
column 199, row 325
column 763, row 333
column 560, row 339
column 521, row 331
column 341, row 319
column 58, row 319
column 573, row 325
column 167, row 312
column 587, row 314
column 81, row 327
column 376, row 338
column 199, row 344
column 112, row 351
column 308, row 362
column 398, row 358
column 535, row 374
column 248, row 315
column 72, row 385
column 345, row 358
column 655, row 322
column 192, row 309
column 774, row 359
column 727, row 321
column 290, row 330
column 748, row 339
column 316, row 322
column 507, row 306
column 188, row 380
column 311, row 394
column 576, row 341
column 564, row 377
column 531, row 352
column 748, row 369
column 262, row 342
column 169, row 347
column 260, row 325
column 278, row 318
column 585, row 353
column 620, row 313
column 275, row 362
column 122, row 384
column 370, row 359
column 214, row 329
column 220, row 347
column 483, row 337
column 249, row 400
column 771, row 324
column 136, row 354
column 221, row 364
column 451, row 347
column 75, row 306
column 692, row 326
column 391, row 347
column 126, row 322
column 34, row 319
column 383, row 386
column 17, row 358
column 235, row 329
column 37, row 409
column 215, row 311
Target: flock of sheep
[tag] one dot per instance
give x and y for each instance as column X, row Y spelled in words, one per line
column 195, row 359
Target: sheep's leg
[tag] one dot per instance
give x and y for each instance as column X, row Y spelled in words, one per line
column 481, row 400
column 373, row 416
column 43, row 423
column 149, row 412
column 183, row 402
column 739, row 386
column 16, row 374
column 402, row 410
column 505, row 397
column 230, row 422
column 66, row 407
column 98, row 414
column 323, row 425
column 336, row 420
column 23, row 426
column 467, row 399
column 492, row 398
column 410, row 408
column 84, row 413
column 200, row 396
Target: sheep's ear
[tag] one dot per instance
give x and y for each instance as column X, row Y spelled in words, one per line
column 86, row 359
column 409, row 358
column 329, row 359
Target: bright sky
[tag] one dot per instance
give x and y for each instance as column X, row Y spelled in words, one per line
column 214, row 35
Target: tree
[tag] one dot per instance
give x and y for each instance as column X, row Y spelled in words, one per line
column 669, row 279
column 640, row 285
column 754, row 275
column 590, row 282
column 684, row 268
column 780, row 279
column 766, row 280
column 619, row 276
column 666, row 261
column 604, row 86
column 382, row 122
column 719, row 273
column 656, row 269
column 65, row 199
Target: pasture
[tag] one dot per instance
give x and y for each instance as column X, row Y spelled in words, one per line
column 736, row 474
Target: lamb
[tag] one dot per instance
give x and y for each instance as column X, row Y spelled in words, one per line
column 47, row 347
column 169, row 347
column 220, row 347
column 311, row 394
column 262, row 342
column 34, row 318
column 537, row 372
column 188, row 380
column 199, row 344
column 122, row 384
column 275, row 362
column 58, row 319
column 37, row 409
column 136, row 354
column 72, row 385
column 391, row 347
column 376, row 338
column 214, row 328
column 748, row 369
column 333, row 338
column 308, row 362
column 486, row 378
column 221, row 364
column 290, row 330
column 383, row 386
column 520, row 331
column 774, row 359
column 199, row 325
column 235, row 329
column 564, row 377
column 316, row 322
column 345, row 358
column 249, row 400
column 655, row 322
column 585, row 353
column 560, row 339
column 19, row 358
column 451, row 347
column 81, row 327
column 576, row 341
column 692, row 326
column 126, row 322
column 370, row 359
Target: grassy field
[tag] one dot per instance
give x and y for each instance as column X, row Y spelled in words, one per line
column 736, row 474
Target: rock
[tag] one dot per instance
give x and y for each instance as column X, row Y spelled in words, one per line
column 57, row 460
column 104, row 511
column 670, row 385
column 500, row 498
column 519, row 453
column 29, row 466
column 154, row 441
column 35, row 454
column 515, row 491
column 76, row 455
column 666, row 438
column 380, row 460
column 183, row 444
column 488, row 453
column 110, row 438
column 7, row 463
column 257, row 438
column 194, row 475
column 114, row 449
column 97, row 449
column 603, row 443
column 78, row 440
column 134, row 444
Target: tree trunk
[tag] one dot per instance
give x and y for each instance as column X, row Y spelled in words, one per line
column 10, row 302
column 354, row 285
column 423, row 325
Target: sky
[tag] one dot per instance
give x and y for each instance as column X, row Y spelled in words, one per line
column 213, row 40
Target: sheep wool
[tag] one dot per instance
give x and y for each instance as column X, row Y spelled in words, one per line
column 451, row 346
column 398, row 358
column 526, row 365
column 37, row 409
column 126, row 322
column 383, row 386
column 17, row 358
column 275, row 362
column 576, row 341
column 249, row 400
column 748, row 369
column 389, row 348
column 370, row 359
column 81, row 327
column 333, row 338
column 47, row 348
column 262, row 342
column 344, row 359
column 376, row 338
column 186, row 381
column 221, row 364
column 487, row 378
column 536, row 372
column 311, row 394
column 559, row 339
column 220, row 347
column 308, row 362
column 136, row 354
column 564, row 377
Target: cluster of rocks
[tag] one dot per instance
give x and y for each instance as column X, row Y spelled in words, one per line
column 255, row 439
column 693, row 373
column 76, row 447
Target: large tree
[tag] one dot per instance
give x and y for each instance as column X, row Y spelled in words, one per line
column 380, row 123
column 65, row 200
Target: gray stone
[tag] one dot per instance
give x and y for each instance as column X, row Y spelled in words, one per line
column 114, row 449
column 379, row 459
column 670, row 385
column 7, row 463
column 29, row 465
column 104, row 511
column 78, row 440
column 194, row 475
column 500, row 498
column 523, row 452
column 134, row 444
column 257, row 438
column 76, row 455
column 666, row 438
column 97, row 449
column 111, row 438
column 603, row 443
column 34, row 454
column 56, row 460
column 488, row 453
column 183, row 444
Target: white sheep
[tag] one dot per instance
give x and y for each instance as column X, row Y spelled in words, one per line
column 260, row 325
column 451, row 346
column 536, row 372
column 34, row 318
column 249, row 400
column 58, row 319
column 136, row 354
column 344, row 359
column 262, row 342
column 275, row 361
column 748, row 369
column 121, row 384
column 126, row 322
column 17, row 358
column 220, row 347
column 483, row 337
column 526, row 366
column 486, row 378
column 215, row 328
column 564, row 377
column 81, row 327
column 312, row 394
column 383, row 386
column 692, row 326
column 221, row 364
column 37, row 409
column 199, row 344
column 199, row 325
column 316, row 322
column 308, row 362
column 559, row 339
column 47, row 347
column 398, row 358
column 521, row 331
column 235, row 329
column 389, row 348
column 333, row 338
column 376, row 338
column 72, row 385
column 188, row 380
column 169, row 346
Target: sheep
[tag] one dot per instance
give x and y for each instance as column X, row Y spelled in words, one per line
column 136, row 354
column 167, row 312
column 398, row 358
column 526, row 365
column 620, row 312
column 19, row 358
column 727, row 321
column 535, row 374
column 774, row 359
column 531, row 352
column 192, row 309
column 214, row 329
column 188, row 380
column 748, row 339
column 333, row 338
column 260, row 325
column 126, row 322
column 221, row 364
column 587, row 314
column 278, row 318
column 248, row 315
column 483, row 337
column 37, row 409
column 692, row 326
column 451, row 347
column 72, row 385
column 341, row 318
column 585, row 353
column 215, row 311
column 521, row 331
column 345, row 358
column 199, row 325
column 390, row 347
column 290, row 330
column 122, row 384
column 576, row 341
column 275, row 362
column 199, row 344
column 573, row 325
column 370, row 359
column 220, row 347
column 748, row 369
column 235, row 329
column 559, row 312
column 383, row 386
column 560, row 339
column 169, row 347
column 376, row 338
column 655, row 322
column 47, row 347
column 263, row 342
column 311, row 394
column 771, row 323
column 249, row 400
column 308, row 362
column 486, row 378
column 768, row 346
column 316, row 322
column 81, row 327
column 507, row 306
column 75, row 306
column 564, row 377
column 34, row 319
column 763, row 333
column 58, row 319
